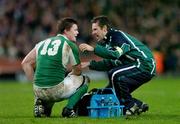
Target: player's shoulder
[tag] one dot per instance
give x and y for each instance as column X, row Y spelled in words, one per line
column 67, row 42
column 72, row 44
column 65, row 39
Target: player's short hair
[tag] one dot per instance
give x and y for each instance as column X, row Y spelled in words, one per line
column 102, row 21
column 65, row 24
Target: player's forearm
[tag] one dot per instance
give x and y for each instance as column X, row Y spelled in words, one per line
column 29, row 71
column 27, row 64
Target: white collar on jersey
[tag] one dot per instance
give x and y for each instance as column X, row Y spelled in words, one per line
column 62, row 36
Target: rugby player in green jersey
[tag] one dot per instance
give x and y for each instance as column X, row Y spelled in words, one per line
column 128, row 61
column 51, row 57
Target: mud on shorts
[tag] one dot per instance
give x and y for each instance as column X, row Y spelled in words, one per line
column 61, row 91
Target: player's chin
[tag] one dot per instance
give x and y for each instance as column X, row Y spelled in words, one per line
column 74, row 39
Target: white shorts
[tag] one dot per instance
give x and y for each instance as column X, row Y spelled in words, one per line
column 63, row 90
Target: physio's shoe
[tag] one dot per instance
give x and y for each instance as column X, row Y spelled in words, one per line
column 132, row 110
column 70, row 113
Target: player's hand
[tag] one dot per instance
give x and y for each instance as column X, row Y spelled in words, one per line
column 85, row 47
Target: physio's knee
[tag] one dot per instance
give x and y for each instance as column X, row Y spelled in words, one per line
column 110, row 73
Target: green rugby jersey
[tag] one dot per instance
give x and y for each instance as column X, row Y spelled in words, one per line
column 53, row 55
column 120, row 48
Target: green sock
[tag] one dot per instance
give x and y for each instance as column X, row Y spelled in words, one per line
column 77, row 96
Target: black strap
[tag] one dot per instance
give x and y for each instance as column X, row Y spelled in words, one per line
column 82, row 82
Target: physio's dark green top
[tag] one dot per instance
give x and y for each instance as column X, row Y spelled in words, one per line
column 120, row 48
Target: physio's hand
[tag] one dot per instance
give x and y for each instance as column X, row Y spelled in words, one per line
column 84, row 64
column 85, row 47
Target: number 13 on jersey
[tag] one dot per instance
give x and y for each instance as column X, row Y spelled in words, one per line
column 51, row 51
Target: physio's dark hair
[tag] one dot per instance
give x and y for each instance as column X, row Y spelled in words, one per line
column 65, row 24
column 102, row 21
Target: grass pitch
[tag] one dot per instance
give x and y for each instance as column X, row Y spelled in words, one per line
column 162, row 95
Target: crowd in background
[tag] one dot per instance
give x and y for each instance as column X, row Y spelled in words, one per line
column 23, row 23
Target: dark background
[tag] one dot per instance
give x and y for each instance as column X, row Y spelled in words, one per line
column 23, row 23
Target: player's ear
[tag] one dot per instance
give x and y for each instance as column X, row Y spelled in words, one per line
column 66, row 32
